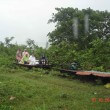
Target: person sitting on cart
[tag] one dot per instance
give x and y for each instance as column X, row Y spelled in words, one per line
column 32, row 60
column 74, row 66
column 25, row 52
column 43, row 59
column 18, row 55
column 25, row 59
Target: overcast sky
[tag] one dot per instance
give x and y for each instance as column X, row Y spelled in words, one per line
column 25, row 19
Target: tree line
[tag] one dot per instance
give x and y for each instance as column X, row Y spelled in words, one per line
column 8, row 51
column 82, row 36
column 79, row 35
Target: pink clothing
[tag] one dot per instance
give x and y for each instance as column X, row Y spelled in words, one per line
column 18, row 55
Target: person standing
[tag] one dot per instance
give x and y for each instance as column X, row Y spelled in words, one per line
column 18, row 55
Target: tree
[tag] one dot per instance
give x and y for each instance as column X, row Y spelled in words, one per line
column 97, row 57
column 62, row 53
column 8, row 40
column 89, row 24
column 31, row 44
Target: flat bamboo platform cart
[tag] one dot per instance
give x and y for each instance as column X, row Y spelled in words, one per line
column 87, row 73
column 44, row 66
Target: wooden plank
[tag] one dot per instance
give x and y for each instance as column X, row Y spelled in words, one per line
column 65, row 70
column 84, row 73
column 101, row 75
column 36, row 66
column 87, row 73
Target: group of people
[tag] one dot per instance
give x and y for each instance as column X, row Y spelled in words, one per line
column 25, row 58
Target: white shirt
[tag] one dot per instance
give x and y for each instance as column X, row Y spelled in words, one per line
column 32, row 60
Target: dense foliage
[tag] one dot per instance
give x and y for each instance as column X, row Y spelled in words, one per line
column 8, row 51
column 82, row 36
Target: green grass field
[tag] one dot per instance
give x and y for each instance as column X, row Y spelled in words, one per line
column 35, row 90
